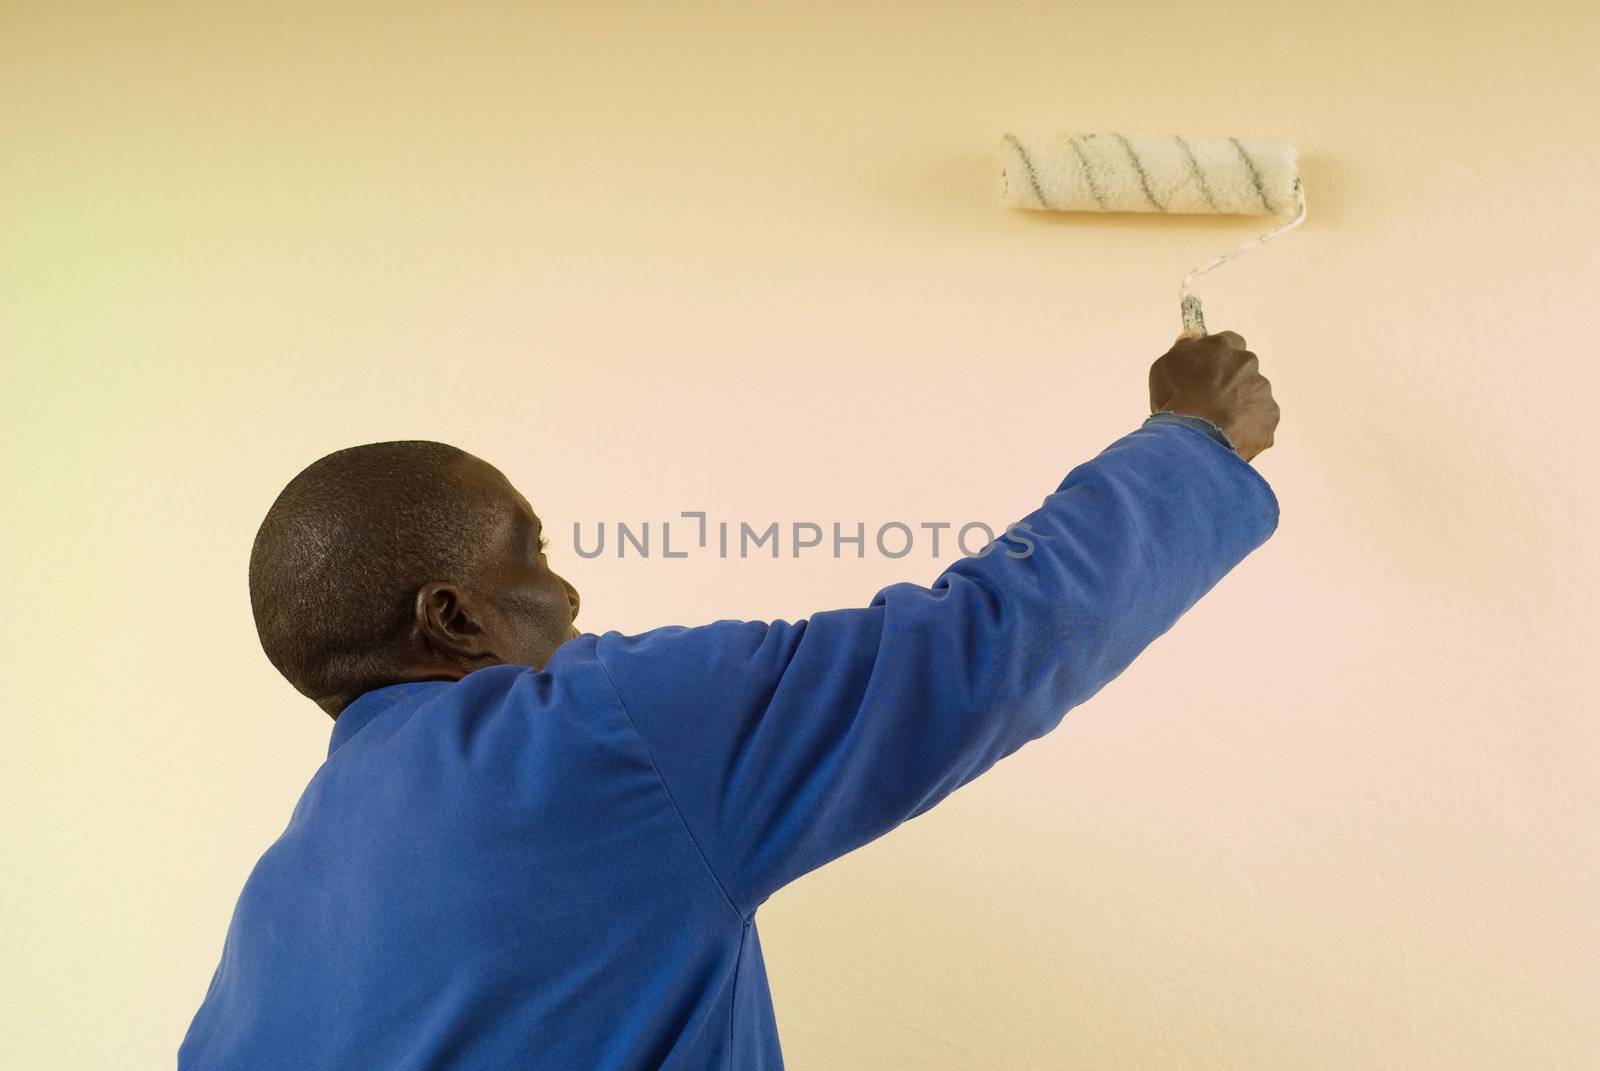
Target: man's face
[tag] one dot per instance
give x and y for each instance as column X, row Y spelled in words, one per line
column 533, row 608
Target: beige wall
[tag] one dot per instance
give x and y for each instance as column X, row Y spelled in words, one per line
column 750, row 259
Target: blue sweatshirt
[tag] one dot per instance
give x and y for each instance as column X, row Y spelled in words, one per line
column 561, row 868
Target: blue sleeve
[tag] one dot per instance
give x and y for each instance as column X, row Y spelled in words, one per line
column 1194, row 422
column 786, row 745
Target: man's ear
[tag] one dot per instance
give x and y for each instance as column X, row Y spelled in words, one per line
column 452, row 621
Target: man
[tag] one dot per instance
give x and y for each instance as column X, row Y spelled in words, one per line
column 535, row 848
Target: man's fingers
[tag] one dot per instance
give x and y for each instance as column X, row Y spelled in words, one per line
column 1231, row 338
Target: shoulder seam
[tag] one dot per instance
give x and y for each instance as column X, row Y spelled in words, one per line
column 705, row 861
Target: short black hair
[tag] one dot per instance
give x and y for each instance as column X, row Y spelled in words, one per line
column 337, row 562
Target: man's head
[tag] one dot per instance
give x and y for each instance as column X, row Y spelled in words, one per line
column 402, row 561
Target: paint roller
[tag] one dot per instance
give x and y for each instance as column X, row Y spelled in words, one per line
column 1109, row 172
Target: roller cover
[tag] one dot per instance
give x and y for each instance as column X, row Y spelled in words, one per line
column 1108, row 172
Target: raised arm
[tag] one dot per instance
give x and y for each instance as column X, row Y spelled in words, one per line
column 785, row 745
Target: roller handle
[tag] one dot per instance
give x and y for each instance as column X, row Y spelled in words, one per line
column 1189, row 303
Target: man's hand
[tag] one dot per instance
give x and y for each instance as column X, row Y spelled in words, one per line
column 1214, row 377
